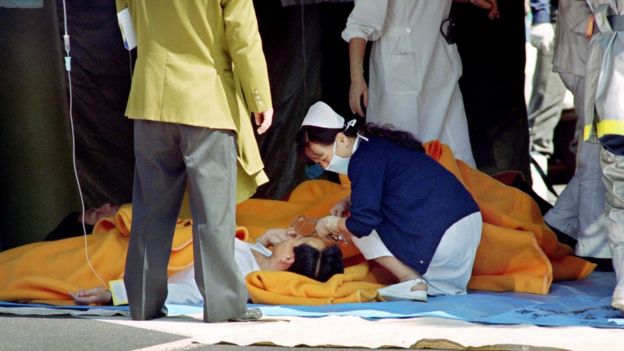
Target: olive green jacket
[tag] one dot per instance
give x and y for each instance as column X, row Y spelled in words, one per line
column 200, row 63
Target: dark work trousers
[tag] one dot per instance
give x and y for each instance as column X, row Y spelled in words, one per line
column 545, row 104
column 169, row 156
column 492, row 85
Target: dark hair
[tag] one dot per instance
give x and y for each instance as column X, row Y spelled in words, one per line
column 315, row 264
column 326, row 136
column 388, row 132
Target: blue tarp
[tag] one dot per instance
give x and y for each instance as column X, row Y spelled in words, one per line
column 577, row 303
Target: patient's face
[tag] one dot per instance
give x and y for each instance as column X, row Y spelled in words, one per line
column 285, row 249
column 94, row 214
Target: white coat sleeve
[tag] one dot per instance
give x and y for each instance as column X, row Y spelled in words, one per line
column 366, row 20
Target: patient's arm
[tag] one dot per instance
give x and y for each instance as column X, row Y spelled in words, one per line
column 96, row 296
column 275, row 235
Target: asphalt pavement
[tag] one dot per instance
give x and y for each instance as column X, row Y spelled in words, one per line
column 19, row 333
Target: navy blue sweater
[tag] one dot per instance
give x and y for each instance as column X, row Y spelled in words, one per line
column 408, row 197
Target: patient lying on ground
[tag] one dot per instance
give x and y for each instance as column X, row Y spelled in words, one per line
column 305, row 255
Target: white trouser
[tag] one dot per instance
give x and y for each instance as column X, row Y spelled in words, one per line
column 578, row 210
column 614, row 211
column 451, row 266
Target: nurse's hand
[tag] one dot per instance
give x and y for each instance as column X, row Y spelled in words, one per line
column 342, row 208
column 327, row 226
column 358, row 94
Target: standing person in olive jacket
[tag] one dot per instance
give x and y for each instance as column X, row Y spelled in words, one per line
column 200, row 70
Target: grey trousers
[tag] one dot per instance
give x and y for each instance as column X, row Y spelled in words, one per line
column 169, row 156
column 579, row 208
column 613, row 177
column 545, row 104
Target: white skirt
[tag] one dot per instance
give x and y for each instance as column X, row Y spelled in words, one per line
column 451, row 266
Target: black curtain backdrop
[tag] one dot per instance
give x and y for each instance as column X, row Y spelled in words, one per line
column 308, row 61
column 36, row 181
column 100, row 83
column 492, row 85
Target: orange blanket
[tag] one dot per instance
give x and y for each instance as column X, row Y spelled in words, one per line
column 357, row 284
column 47, row 271
column 518, row 252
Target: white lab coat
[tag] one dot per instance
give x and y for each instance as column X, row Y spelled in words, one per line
column 414, row 73
column 579, row 208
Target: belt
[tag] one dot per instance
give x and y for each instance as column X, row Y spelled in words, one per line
column 616, row 22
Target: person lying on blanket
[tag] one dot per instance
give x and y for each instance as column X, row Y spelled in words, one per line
column 406, row 211
column 309, row 256
column 72, row 225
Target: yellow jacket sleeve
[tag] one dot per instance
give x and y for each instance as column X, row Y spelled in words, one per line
column 121, row 4
column 245, row 46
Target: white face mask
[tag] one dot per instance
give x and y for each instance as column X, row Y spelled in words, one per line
column 338, row 164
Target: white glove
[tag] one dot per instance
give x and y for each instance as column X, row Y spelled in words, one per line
column 542, row 36
column 326, row 226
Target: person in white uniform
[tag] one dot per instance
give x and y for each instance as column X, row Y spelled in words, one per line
column 578, row 209
column 414, row 71
column 604, row 111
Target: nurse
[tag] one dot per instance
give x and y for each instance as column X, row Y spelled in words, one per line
column 414, row 69
column 405, row 211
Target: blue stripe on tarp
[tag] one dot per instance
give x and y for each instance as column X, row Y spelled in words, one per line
column 62, row 307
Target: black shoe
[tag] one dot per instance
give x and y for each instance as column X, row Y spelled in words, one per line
column 603, row 264
column 563, row 237
column 143, row 316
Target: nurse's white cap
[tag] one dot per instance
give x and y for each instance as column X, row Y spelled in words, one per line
column 321, row 115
